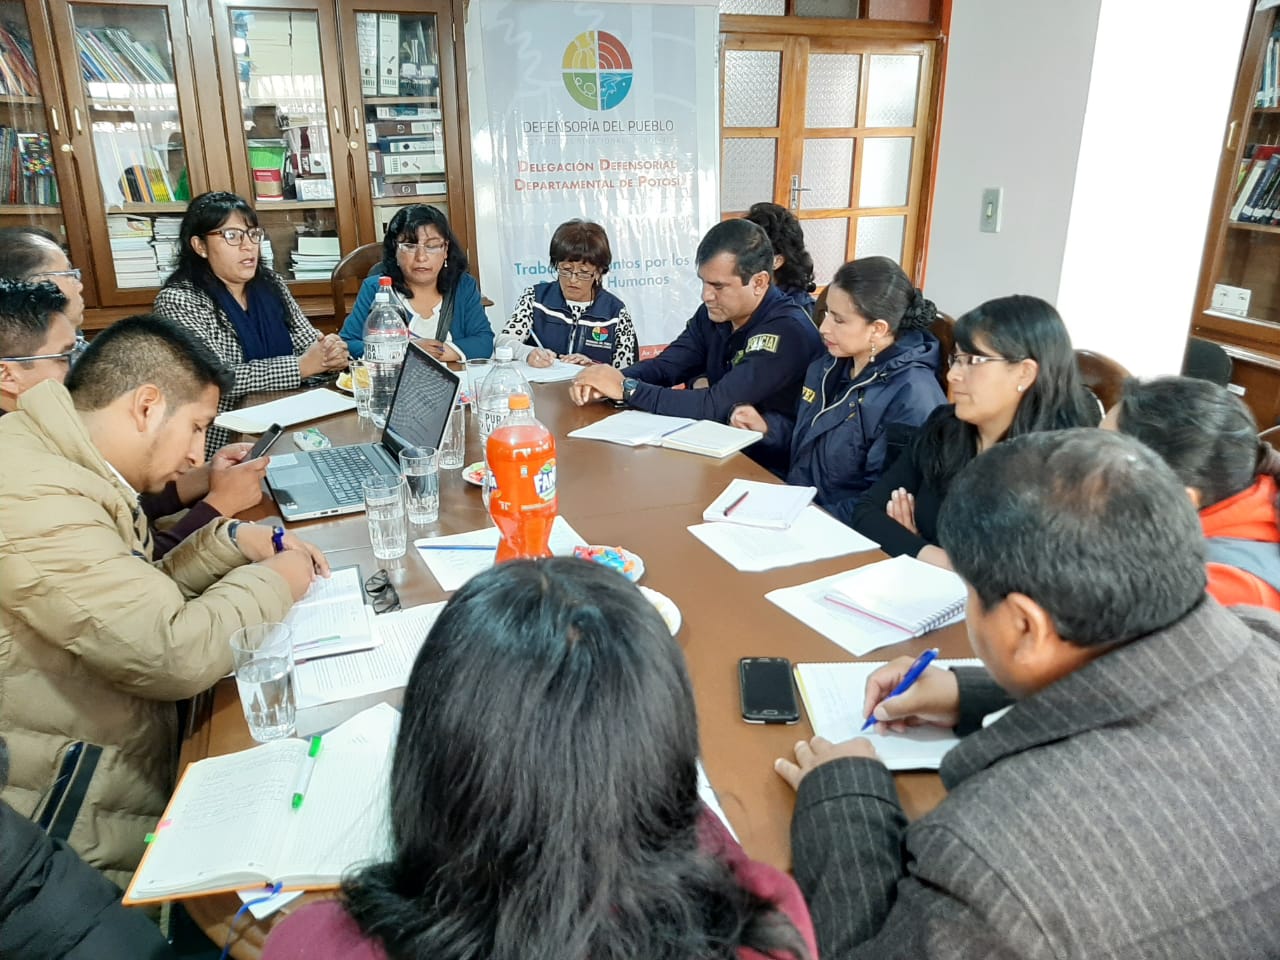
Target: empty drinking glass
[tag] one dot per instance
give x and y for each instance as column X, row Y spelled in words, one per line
column 263, row 659
column 476, row 371
column 384, row 509
column 453, row 445
column 421, row 469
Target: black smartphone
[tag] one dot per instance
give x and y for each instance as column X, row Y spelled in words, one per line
column 264, row 442
column 768, row 692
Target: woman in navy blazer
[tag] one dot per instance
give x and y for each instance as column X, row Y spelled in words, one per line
column 877, row 384
column 428, row 270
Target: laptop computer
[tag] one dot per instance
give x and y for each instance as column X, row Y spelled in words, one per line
column 324, row 483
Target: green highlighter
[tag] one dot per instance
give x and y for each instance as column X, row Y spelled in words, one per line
column 304, row 775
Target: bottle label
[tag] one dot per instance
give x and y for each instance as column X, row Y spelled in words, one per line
column 544, row 482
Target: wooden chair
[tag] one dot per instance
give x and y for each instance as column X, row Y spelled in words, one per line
column 1102, row 375
column 1206, row 360
column 354, row 266
column 944, row 328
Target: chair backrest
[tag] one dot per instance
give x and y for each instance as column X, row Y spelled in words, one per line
column 1271, row 436
column 944, row 328
column 1102, row 375
column 354, row 266
column 1206, row 360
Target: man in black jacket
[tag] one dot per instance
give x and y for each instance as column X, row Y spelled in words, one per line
column 54, row 905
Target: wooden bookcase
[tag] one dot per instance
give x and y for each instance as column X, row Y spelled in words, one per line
column 143, row 104
column 1245, row 255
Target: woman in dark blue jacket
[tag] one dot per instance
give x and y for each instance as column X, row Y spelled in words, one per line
column 878, row 384
column 428, row 270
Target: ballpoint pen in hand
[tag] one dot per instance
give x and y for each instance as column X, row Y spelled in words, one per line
column 912, row 675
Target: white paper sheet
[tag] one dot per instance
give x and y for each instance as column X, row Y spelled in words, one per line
column 453, row 568
column 708, row 795
column 385, row 667
column 815, row 535
column 833, row 698
column 558, row 372
column 287, row 411
column 270, row 905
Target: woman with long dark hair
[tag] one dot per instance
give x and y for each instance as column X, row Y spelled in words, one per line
column 878, row 382
column 544, row 796
column 223, row 292
column 1012, row 372
column 792, row 263
column 1210, row 439
column 428, row 271
column 573, row 317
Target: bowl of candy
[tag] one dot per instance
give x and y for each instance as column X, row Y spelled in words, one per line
column 616, row 558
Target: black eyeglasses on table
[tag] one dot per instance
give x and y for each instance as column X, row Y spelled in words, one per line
column 382, row 592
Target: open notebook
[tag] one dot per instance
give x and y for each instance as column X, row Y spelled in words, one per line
column 833, row 695
column 231, row 823
column 635, row 428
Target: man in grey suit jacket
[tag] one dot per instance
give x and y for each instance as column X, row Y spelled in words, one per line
column 1128, row 804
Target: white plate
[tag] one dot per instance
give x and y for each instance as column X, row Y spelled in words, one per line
column 637, row 570
column 343, row 382
column 666, row 608
column 474, row 473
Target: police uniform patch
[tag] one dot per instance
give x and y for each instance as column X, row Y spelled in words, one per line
column 808, row 394
column 764, row 342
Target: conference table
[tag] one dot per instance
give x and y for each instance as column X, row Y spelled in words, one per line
column 643, row 499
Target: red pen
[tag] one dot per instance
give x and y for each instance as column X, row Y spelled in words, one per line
column 736, row 503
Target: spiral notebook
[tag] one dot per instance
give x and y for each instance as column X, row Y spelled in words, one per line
column 902, row 592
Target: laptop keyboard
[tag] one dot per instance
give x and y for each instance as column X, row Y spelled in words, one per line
column 344, row 470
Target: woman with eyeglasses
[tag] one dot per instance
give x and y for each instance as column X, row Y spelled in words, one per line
column 544, row 797
column 878, row 382
column 223, row 292
column 428, row 271
column 573, row 318
column 1013, row 372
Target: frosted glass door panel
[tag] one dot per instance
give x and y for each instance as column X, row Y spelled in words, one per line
column 775, row 8
column 751, row 83
column 831, row 99
column 826, row 241
column 880, row 237
column 886, row 172
column 892, row 88
column 827, row 174
column 747, row 174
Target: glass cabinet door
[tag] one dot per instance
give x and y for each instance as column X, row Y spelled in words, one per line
column 291, row 154
column 35, row 155
column 401, row 92
column 133, row 127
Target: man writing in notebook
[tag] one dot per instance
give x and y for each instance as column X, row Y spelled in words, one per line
column 1126, row 804
column 97, row 641
column 751, row 342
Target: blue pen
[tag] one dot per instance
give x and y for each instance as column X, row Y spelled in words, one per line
column 913, row 674
column 454, row 546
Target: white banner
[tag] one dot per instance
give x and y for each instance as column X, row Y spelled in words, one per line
column 607, row 112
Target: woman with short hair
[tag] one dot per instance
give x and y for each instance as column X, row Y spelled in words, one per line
column 544, row 797
column 573, row 317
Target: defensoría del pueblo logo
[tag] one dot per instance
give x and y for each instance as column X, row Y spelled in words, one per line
column 597, row 70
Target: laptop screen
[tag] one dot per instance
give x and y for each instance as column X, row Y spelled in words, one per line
column 425, row 393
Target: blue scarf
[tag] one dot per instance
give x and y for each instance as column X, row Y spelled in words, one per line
column 262, row 329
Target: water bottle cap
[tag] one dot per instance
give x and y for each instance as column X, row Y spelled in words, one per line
column 384, row 281
column 504, row 352
column 518, row 401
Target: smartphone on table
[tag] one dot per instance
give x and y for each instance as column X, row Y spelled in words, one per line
column 264, row 442
column 768, row 690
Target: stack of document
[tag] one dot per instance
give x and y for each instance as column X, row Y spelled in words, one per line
column 316, row 257
column 296, row 408
column 455, row 559
column 815, row 535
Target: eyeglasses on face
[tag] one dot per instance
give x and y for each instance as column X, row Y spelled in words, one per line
column 571, row 274
column 73, row 273
column 236, row 235
column 382, row 592
column 431, row 248
column 71, row 356
column 967, row 360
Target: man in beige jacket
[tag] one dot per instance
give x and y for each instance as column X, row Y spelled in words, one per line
column 97, row 640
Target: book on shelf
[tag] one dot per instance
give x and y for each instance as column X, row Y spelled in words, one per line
column 26, row 168
column 232, row 822
column 17, row 59
column 1264, row 164
column 114, row 55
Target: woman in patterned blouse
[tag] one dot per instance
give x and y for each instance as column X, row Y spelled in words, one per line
column 573, row 318
column 224, row 293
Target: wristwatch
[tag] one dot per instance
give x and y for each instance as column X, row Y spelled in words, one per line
column 629, row 387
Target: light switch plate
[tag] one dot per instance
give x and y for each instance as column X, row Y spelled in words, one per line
column 992, row 200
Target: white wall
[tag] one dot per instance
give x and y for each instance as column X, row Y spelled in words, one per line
column 1017, row 81
column 1157, row 115
column 1070, row 107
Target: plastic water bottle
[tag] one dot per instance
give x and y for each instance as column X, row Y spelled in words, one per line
column 503, row 382
column 385, row 339
column 522, row 461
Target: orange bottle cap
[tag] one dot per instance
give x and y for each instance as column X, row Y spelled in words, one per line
column 518, row 401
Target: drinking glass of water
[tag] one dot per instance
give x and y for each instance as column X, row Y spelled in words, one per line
column 453, row 445
column 477, row 369
column 421, row 469
column 263, row 658
column 384, row 509
column 361, row 387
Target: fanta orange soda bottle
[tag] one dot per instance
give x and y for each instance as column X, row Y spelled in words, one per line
column 522, row 458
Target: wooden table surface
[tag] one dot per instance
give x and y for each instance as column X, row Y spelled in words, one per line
column 642, row 499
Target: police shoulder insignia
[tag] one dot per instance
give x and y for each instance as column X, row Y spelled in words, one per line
column 765, row 342
column 808, row 394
